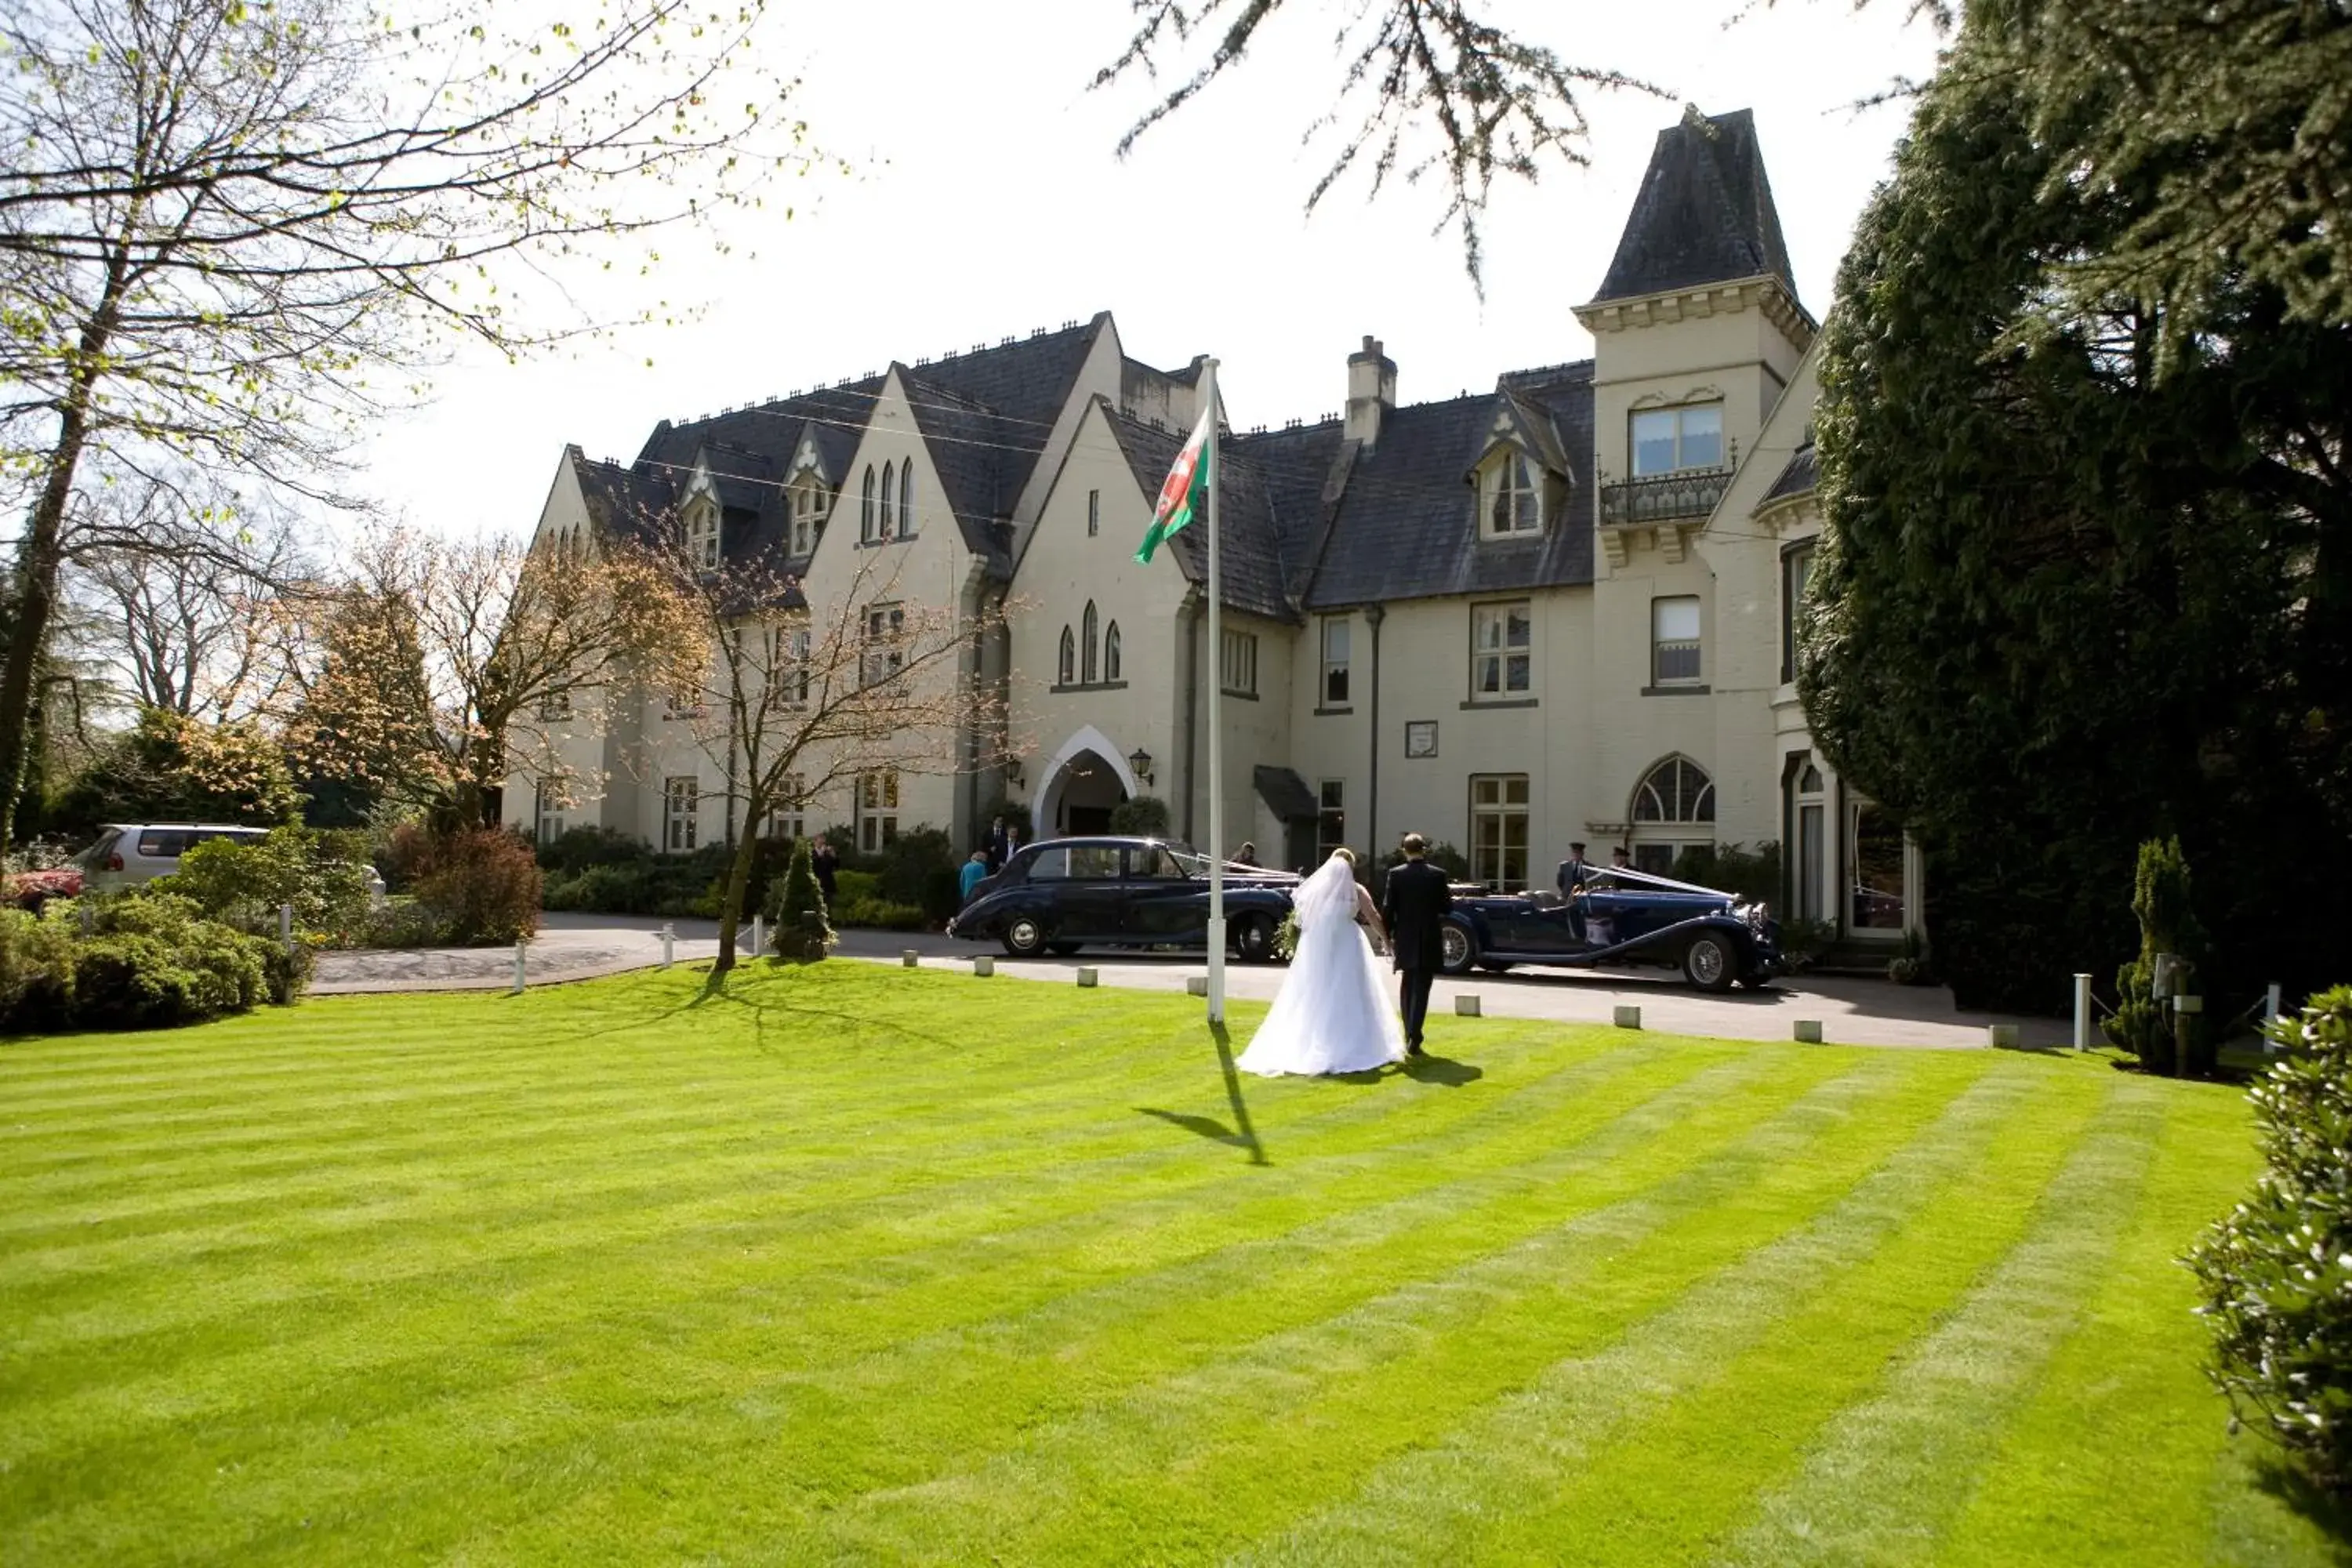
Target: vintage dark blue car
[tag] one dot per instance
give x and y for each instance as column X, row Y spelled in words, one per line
column 1070, row 893
column 1627, row 918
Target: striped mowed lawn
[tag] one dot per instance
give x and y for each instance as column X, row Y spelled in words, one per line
column 857, row 1265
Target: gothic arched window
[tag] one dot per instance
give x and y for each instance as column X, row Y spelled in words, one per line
column 1676, row 790
column 907, row 498
column 866, row 509
column 1087, row 637
column 889, row 482
column 1068, row 665
column 1110, row 652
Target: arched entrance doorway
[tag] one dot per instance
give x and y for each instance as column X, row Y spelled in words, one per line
column 1088, row 776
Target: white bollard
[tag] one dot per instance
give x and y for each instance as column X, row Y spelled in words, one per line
column 983, row 966
column 1086, row 977
column 2271, row 1016
column 286, row 928
column 1809, row 1031
column 1629, row 1017
column 519, row 967
column 1196, row 985
column 2001, row 1036
column 1465, row 1007
column 670, row 944
column 911, row 957
column 2082, row 1011
column 759, row 936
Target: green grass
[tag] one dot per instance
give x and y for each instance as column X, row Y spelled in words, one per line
column 857, row 1265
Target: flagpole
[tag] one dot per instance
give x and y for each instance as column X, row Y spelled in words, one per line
column 1216, row 661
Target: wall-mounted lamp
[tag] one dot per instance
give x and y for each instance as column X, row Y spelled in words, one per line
column 1141, row 760
column 1012, row 771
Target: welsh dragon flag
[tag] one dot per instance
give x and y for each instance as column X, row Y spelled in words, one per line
column 1184, row 495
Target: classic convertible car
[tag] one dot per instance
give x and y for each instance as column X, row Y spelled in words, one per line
column 1068, row 893
column 1630, row 918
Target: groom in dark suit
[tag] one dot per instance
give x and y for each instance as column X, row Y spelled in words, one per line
column 1413, row 907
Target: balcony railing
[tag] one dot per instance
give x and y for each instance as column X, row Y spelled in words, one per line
column 1664, row 497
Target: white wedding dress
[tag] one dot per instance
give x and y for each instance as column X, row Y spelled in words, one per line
column 1333, row 1014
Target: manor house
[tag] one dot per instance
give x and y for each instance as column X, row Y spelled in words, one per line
column 1560, row 610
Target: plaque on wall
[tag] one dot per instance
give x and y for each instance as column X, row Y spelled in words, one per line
column 1421, row 738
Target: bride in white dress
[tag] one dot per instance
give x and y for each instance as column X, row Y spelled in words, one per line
column 1332, row 1015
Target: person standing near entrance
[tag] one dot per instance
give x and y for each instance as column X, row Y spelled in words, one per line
column 1413, row 907
column 824, row 862
column 975, row 871
column 1572, row 874
column 1000, row 845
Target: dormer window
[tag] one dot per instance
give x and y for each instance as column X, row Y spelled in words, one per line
column 1510, row 496
column 702, row 534
column 808, row 507
column 1668, row 440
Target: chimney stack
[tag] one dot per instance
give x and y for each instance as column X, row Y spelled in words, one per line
column 1372, row 392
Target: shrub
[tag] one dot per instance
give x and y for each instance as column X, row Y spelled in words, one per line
column 483, row 888
column 406, row 856
column 322, row 875
column 1145, row 816
column 153, row 962
column 36, row 974
column 879, row 914
column 2277, row 1272
column 1754, row 875
column 918, row 868
column 850, row 886
column 802, row 932
column 568, row 854
column 402, row 922
column 2140, row 1024
column 1440, row 853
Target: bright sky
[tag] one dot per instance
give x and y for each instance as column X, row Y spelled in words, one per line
column 986, row 202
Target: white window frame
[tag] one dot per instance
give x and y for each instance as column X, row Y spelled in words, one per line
column 877, row 810
column 550, row 810
column 1237, row 663
column 1495, row 657
column 1336, row 663
column 1330, row 818
column 1510, row 496
column 788, row 816
column 884, row 654
column 702, row 533
column 681, row 813
column 1684, row 652
column 555, row 706
column 1678, row 417
column 1796, row 579
column 1497, row 801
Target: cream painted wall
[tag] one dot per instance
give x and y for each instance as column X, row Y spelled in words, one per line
column 1256, row 732
column 1065, row 569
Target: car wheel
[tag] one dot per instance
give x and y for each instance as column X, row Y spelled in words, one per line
column 1254, row 939
column 1023, row 937
column 1065, row 949
column 1709, row 962
column 1457, row 948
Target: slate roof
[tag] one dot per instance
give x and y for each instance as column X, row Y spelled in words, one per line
column 1406, row 525
column 985, row 416
column 1704, row 214
column 621, row 502
column 1258, row 513
column 1798, row 476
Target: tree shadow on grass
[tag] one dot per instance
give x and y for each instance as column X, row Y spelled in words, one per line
column 1247, row 1136
column 716, row 988
column 2331, row 1513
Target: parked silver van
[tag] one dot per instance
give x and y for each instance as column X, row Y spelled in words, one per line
column 128, row 854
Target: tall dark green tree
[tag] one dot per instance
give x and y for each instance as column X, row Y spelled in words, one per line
column 2065, row 602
